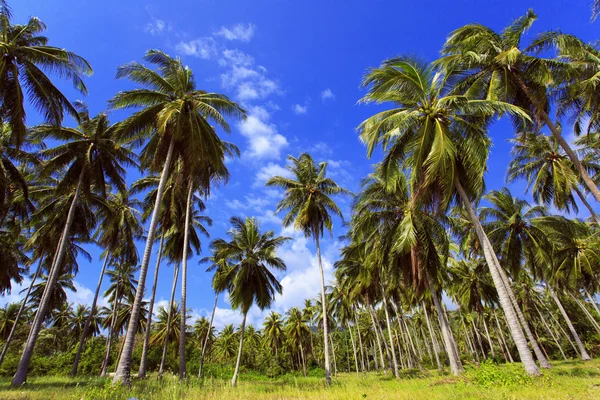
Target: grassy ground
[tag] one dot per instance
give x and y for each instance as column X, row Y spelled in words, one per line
column 567, row 380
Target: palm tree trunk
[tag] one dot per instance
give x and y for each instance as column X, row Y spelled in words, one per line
column 400, row 352
column 399, row 322
column 169, row 318
column 23, row 368
column 182, row 329
column 436, row 349
column 584, row 354
column 316, row 232
column 550, row 332
column 360, row 343
column 488, row 337
column 479, row 341
column 375, row 356
column 586, row 204
column 302, row 357
column 89, row 319
column 385, row 344
column 143, row 362
column 565, row 334
column 212, row 317
column 124, row 367
column 591, row 300
column 21, row 309
column 452, row 339
column 586, row 312
column 239, row 357
column 505, row 301
column 412, row 344
column 333, row 353
column 560, row 139
column 377, row 337
column 455, row 364
column 353, row 348
column 501, row 333
column 470, row 343
column 111, row 331
column 391, row 339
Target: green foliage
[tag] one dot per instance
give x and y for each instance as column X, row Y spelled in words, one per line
column 490, row 374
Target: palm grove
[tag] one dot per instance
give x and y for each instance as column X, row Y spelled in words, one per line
column 423, row 224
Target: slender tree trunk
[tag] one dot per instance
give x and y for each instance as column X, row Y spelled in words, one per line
column 143, row 362
column 399, row 322
column 427, row 346
column 324, row 304
column 541, row 345
column 586, row 312
column 88, row 321
column 375, row 356
column 488, row 337
column 21, row 309
column 377, row 337
column 436, row 349
column 584, row 354
column 586, row 204
column 353, row 348
column 124, row 367
column 360, row 343
column 389, row 328
column 591, row 300
column 470, row 343
column 385, row 344
column 239, row 357
column 302, row 357
column 23, row 368
column 479, row 341
column 560, row 139
column 161, row 369
column 455, row 364
column 452, row 339
column 212, row 317
column 502, row 337
column 565, row 334
column 400, row 352
column 182, row 329
column 333, row 353
column 495, row 270
column 113, row 324
column 412, row 345
column 550, row 332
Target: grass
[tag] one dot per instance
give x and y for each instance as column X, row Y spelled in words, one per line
column 566, row 380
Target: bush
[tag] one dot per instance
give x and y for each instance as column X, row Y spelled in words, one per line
column 316, row 372
column 490, row 374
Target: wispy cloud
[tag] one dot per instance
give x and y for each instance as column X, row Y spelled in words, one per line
column 327, row 94
column 242, row 32
column 157, row 27
column 264, row 141
column 300, row 109
column 204, row 48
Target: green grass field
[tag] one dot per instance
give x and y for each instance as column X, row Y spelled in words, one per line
column 567, row 380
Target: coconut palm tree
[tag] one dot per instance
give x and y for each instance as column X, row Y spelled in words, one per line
column 309, row 208
column 174, row 115
column 548, row 172
column 297, row 331
column 27, row 59
column 118, row 230
column 273, row 331
column 494, row 66
column 92, row 156
column 8, row 315
column 442, row 140
column 249, row 279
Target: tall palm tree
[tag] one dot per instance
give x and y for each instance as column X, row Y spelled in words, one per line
column 27, row 59
column 174, row 115
column 249, row 279
column 549, row 173
column 297, row 331
column 309, row 207
column 442, row 140
column 118, row 231
column 92, row 155
column 273, row 331
column 495, row 67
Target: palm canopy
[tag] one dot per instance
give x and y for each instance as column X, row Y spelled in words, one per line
column 27, row 58
column 172, row 108
column 472, row 284
column 307, row 196
column 273, row 330
column 437, row 136
column 250, row 254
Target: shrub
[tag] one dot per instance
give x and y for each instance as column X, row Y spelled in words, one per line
column 490, row 374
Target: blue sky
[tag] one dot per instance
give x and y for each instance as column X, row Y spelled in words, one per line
column 296, row 67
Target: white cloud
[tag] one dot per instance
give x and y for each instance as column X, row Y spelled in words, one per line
column 157, row 27
column 237, row 32
column 236, row 57
column 204, row 48
column 263, row 139
column 320, row 148
column 268, row 171
column 300, row 109
column 327, row 94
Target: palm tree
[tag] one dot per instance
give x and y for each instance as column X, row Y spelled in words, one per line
column 174, row 115
column 225, row 343
column 443, row 142
column 494, row 67
column 249, row 279
column 118, row 231
column 26, row 57
column 273, row 331
column 92, row 156
column 309, row 208
column 297, row 331
column 549, row 173
column 8, row 315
